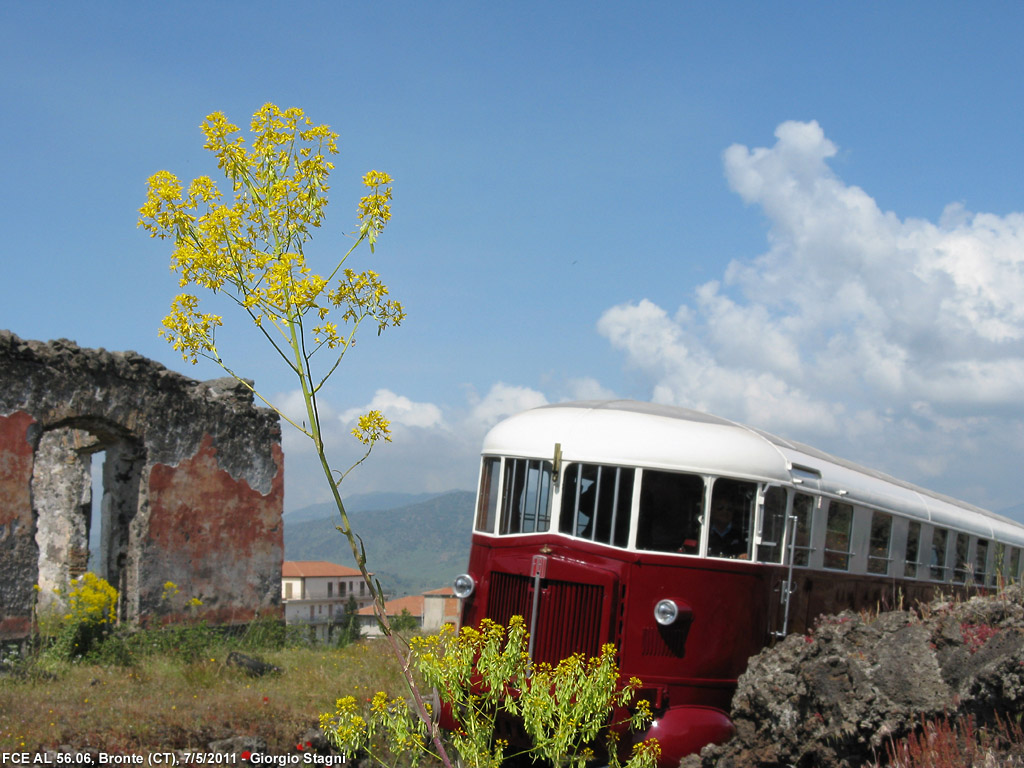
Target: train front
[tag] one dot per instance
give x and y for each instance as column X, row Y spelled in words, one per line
column 555, row 541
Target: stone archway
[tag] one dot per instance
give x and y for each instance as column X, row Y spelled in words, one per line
column 68, row 516
column 192, row 488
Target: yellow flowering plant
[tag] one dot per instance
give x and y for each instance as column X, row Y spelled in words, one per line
column 249, row 246
column 84, row 614
column 483, row 675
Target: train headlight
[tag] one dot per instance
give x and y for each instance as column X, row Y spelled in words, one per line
column 666, row 612
column 463, row 585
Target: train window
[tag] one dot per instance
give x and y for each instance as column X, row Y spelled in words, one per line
column 526, row 496
column 802, row 508
column 596, row 503
column 980, row 561
column 881, row 533
column 487, row 500
column 773, row 526
column 998, row 564
column 960, row 568
column 732, row 510
column 1014, row 563
column 669, row 518
column 837, row 536
column 937, row 562
column 913, row 545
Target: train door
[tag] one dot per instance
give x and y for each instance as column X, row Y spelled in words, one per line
column 770, row 540
column 793, row 600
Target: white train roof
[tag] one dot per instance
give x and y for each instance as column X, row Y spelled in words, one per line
column 631, row 433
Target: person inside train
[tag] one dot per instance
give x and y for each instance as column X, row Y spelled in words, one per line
column 727, row 535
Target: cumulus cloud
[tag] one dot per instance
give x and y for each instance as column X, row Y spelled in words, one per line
column 850, row 321
column 398, row 409
column 501, row 401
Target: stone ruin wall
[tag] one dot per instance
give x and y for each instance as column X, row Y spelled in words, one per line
column 193, row 486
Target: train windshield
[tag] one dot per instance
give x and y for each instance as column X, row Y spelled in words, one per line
column 524, row 505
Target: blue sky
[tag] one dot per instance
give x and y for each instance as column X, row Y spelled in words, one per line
column 803, row 216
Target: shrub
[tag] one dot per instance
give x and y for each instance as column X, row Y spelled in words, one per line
column 486, row 674
column 88, row 614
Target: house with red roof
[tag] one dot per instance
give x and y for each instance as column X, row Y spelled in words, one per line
column 431, row 610
column 316, row 593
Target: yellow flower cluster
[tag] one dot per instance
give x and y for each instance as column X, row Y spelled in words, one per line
column 251, row 246
column 372, row 427
column 389, row 726
column 483, row 673
column 91, row 600
column 170, row 591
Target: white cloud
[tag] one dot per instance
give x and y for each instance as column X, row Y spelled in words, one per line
column 399, row 410
column 588, row 389
column 850, row 320
column 504, row 400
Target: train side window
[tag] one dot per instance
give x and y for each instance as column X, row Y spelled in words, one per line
column 837, row 536
column 596, row 503
column 998, row 564
column 881, row 535
column 980, row 561
column 803, row 506
column 960, row 566
column 773, row 526
column 669, row 518
column 913, row 545
column 732, row 511
column 526, row 496
column 1014, row 564
column 487, row 499
column 937, row 561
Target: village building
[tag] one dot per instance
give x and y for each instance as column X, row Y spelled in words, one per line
column 431, row 611
column 315, row 593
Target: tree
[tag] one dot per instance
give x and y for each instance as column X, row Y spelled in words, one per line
column 405, row 622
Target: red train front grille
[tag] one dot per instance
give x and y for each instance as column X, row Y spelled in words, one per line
column 568, row 617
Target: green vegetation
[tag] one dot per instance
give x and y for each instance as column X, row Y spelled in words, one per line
column 485, row 675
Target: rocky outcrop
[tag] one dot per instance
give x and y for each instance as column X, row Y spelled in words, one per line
column 837, row 696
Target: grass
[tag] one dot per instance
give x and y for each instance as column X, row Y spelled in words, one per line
column 164, row 700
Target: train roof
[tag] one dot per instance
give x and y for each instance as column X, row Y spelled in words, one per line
column 628, row 432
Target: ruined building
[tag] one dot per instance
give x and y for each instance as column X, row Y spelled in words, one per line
column 192, row 489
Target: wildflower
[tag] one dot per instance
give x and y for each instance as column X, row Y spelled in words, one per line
column 372, row 427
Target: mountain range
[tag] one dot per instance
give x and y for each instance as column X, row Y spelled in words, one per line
column 414, row 542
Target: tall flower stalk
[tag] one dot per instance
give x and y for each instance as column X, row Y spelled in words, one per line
column 249, row 247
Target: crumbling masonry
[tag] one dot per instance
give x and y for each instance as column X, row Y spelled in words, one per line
column 192, row 485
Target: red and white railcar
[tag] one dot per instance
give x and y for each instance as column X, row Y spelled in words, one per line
column 691, row 542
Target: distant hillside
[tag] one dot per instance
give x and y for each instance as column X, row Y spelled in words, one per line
column 411, row 549
column 360, row 502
